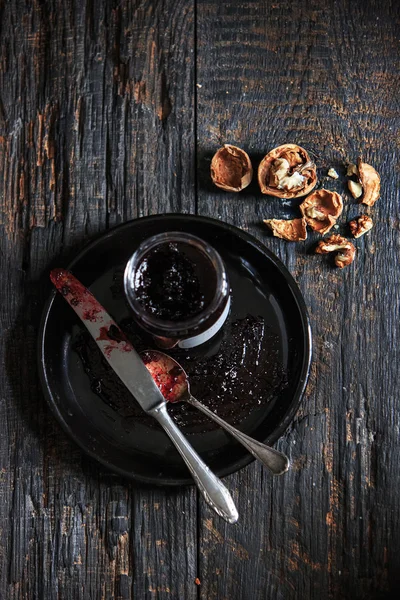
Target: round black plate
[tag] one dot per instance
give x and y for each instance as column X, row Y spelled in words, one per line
column 136, row 451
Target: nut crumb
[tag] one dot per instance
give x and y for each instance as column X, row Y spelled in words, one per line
column 292, row 230
column 355, row 188
column 333, row 173
column 361, row 225
column 321, row 210
column 352, row 170
column 336, row 243
column 197, row 581
column 199, row 85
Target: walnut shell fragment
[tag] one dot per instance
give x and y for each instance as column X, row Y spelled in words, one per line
column 231, row 169
column 361, row 225
column 287, row 172
column 370, row 181
column 336, row 243
column 321, row 210
column 292, row 230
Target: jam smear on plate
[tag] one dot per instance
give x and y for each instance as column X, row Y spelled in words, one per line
column 243, row 374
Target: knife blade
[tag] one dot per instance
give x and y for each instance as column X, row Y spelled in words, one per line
column 129, row 367
column 111, row 340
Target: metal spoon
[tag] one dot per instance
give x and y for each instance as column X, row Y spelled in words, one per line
column 173, row 382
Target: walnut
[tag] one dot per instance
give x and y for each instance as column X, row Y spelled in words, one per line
column 336, row 243
column 287, row 172
column 321, row 210
column 355, row 188
column 333, row 173
column 361, row 225
column 370, row 181
column 293, row 230
column 231, row 169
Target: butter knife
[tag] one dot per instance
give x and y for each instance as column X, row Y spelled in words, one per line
column 129, row 367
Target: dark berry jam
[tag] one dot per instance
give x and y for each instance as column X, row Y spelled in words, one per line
column 174, row 282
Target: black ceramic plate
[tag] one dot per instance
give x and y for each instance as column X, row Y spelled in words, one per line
column 107, row 424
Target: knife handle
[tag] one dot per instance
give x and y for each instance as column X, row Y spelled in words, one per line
column 213, row 490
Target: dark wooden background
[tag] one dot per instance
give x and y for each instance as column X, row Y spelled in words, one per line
column 112, row 110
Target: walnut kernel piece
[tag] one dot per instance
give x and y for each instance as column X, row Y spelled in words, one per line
column 231, row 169
column 370, row 181
column 333, row 173
column 352, row 170
column 336, row 243
column 292, row 230
column 355, row 188
column 361, row 225
column 287, row 172
column 321, row 210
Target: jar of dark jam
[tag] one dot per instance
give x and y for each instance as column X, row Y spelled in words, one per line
column 177, row 287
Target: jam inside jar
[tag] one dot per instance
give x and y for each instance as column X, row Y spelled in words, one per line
column 177, row 287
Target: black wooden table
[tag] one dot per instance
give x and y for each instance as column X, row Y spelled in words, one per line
column 112, row 110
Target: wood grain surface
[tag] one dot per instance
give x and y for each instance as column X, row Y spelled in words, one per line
column 113, row 110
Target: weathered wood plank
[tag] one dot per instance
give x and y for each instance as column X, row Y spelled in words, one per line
column 96, row 127
column 324, row 75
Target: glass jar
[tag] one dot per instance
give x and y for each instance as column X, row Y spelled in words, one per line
column 177, row 287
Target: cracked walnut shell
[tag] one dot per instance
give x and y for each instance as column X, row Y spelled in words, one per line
column 361, row 225
column 370, row 181
column 336, row 243
column 321, row 210
column 366, row 182
column 231, row 168
column 292, row 230
column 287, row 172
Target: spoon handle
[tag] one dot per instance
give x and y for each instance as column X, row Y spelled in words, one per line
column 214, row 491
column 275, row 461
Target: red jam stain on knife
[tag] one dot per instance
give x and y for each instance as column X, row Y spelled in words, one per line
column 76, row 293
column 112, row 333
column 89, row 309
column 115, row 337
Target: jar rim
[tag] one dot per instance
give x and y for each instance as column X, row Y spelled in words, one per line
column 175, row 328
